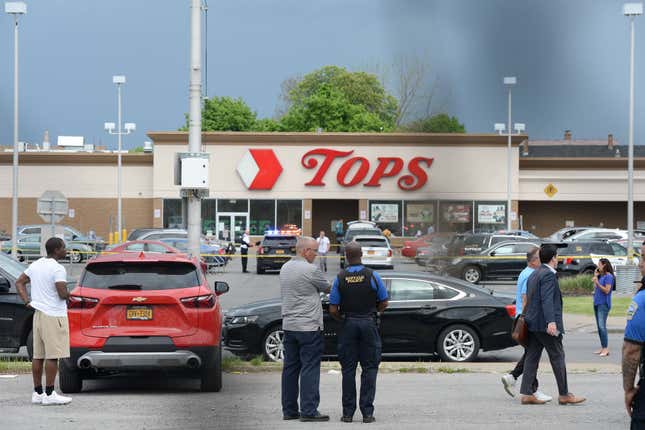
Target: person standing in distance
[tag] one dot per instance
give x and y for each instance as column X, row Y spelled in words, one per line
column 301, row 283
column 323, row 249
column 543, row 316
column 50, row 330
column 357, row 295
column 633, row 357
column 510, row 379
column 244, row 249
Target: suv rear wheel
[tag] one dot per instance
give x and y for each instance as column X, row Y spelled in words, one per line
column 211, row 374
column 69, row 378
column 472, row 274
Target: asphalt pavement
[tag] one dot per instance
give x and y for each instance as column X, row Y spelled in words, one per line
column 252, row 401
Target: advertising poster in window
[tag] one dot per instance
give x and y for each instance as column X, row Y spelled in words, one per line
column 457, row 213
column 420, row 213
column 491, row 214
column 384, row 212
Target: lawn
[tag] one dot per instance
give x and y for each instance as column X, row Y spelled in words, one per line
column 584, row 305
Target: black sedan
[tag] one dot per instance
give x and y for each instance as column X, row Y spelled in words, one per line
column 502, row 261
column 428, row 314
column 15, row 317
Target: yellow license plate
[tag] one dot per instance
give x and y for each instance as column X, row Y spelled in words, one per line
column 370, row 252
column 142, row 313
column 279, row 251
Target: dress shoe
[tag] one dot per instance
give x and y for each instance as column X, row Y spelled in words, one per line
column 532, row 400
column 570, row 399
column 290, row 417
column 369, row 419
column 346, row 419
column 314, row 418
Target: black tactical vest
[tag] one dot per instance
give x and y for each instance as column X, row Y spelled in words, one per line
column 357, row 297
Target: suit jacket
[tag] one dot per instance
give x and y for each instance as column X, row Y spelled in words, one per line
column 545, row 300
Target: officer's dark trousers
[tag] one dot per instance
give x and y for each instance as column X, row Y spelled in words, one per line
column 302, row 353
column 245, row 259
column 359, row 341
column 638, row 409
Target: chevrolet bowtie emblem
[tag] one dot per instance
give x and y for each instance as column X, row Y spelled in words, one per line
column 139, row 299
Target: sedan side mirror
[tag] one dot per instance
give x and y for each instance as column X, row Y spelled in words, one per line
column 257, row 243
column 221, row 287
column 4, row 285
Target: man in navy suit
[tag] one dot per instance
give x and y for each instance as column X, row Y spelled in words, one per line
column 543, row 315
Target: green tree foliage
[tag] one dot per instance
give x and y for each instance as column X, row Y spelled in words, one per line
column 440, row 123
column 335, row 99
column 136, row 150
column 226, row 114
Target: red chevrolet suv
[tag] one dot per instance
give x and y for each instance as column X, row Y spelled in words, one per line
column 135, row 312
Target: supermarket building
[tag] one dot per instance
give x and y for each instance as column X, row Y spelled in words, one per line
column 408, row 183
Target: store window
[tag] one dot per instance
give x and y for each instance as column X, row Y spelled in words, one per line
column 387, row 214
column 209, row 220
column 491, row 216
column 172, row 214
column 289, row 212
column 262, row 216
column 232, row 205
column 456, row 216
column 419, row 218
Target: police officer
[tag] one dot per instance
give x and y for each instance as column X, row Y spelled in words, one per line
column 357, row 295
column 633, row 356
column 244, row 249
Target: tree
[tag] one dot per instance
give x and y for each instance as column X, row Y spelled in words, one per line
column 334, row 99
column 226, row 114
column 440, row 123
column 136, row 150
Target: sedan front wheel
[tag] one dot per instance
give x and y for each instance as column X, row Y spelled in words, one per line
column 458, row 343
column 472, row 274
column 273, row 344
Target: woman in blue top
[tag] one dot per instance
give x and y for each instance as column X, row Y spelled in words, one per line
column 604, row 281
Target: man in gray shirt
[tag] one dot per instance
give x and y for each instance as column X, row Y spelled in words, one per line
column 301, row 283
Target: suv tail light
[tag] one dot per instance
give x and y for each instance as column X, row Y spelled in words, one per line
column 510, row 310
column 570, row 260
column 261, row 250
column 389, row 253
column 80, row 302
column 207, row 301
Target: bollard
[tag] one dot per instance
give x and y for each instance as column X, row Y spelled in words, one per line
column 124, row 234
column 625, row 276
column 110, row 238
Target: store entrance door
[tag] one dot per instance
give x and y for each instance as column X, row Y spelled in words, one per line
column 325, row 213
column 231, row 226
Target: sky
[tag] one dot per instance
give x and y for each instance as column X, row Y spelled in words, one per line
column 570, row 57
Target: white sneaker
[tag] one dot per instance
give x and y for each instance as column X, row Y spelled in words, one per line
column 36, row 398
column 55, row 399
column 542, row 397
column 509, row 384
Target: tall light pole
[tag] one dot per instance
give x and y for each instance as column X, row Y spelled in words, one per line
column 195, row 123
column 500, row 128
column 119, row 80
column 509, row 82
column 16, row 9
column 631, row 10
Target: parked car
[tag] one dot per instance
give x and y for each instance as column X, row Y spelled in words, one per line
column 471, row 244
column 428, row 314
column 15, row 317
column 71, row 235
column 605, row 234
column 522, row 233
column 145, row 246
column 376, row 251
column 29, row 249
column 565, row 232
column 358, row 229
column 410, row 246
column 581, row 257
column 138, row 312
column 212, row 255
column 504, row 260
column 274, row 250
column 136, row 233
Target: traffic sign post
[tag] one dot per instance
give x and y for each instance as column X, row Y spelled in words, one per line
column 52, row 208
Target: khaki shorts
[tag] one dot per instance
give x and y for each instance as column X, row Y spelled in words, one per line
column 51, row 336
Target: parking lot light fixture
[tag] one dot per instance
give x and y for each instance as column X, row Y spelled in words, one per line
column 15, row 8
column 110, row 127
column 500, row 127
column 631, row 10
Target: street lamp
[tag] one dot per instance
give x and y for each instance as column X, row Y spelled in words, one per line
column 631, row 10
column 111, row 128
column 15, row 8
column 500, row 128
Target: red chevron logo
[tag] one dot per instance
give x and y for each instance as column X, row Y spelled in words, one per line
column 259, row 169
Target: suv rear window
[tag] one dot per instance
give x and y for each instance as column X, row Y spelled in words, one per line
column 362, row 232
column 379, row 243
column 279, row 241
column 140, row 276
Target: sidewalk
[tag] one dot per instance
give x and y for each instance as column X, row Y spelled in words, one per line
column 587, row 323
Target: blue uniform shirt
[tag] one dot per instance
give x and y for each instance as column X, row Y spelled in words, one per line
column 635, row 330
column 521, row 288
column 377, row 285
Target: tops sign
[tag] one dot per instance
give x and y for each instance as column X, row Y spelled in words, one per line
column 356, row 170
